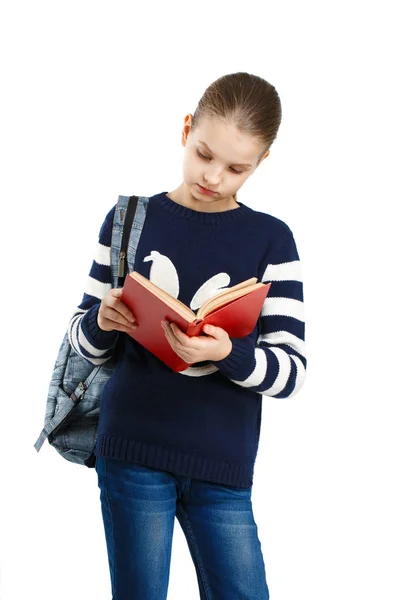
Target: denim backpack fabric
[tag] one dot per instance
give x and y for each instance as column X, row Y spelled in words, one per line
column 73, row 400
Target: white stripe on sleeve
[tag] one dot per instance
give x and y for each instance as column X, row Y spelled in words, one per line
column 301, row 373
column 259, row 372
column 286, row 307
column 97, row 361
column 290, row 271
column 284, row 337
column 73, row 332
column 285, row 367
column 97, row 288
column 86, row 345
column 102, row 255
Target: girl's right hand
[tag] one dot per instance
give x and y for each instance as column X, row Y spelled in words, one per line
column 114, row 315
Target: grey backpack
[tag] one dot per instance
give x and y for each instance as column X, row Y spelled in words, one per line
column 73, row 400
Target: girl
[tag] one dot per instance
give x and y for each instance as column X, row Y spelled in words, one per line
column 184, row 443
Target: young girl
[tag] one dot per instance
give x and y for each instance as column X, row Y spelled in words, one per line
column 184, row 443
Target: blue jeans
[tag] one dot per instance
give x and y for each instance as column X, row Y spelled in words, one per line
column 139, row 505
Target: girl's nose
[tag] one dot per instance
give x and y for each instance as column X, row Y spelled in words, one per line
column 213, row 178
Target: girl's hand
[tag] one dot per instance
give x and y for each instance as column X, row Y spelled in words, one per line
column 113, row 314
column 216, row 345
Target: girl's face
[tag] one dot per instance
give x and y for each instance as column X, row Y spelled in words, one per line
column 217, row 157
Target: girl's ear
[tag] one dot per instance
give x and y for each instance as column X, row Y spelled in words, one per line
column 186, row 128
column 265, row 156
column 261, row 159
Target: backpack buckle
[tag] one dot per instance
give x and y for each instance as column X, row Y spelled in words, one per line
column 78, row 397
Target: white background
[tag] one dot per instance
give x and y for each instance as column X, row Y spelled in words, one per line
column 93, row 100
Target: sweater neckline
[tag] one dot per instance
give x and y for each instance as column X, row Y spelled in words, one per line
column 195, row 215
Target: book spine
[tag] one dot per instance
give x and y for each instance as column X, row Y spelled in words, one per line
column 195, row 328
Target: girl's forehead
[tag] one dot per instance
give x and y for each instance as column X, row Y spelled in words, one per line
column 224, row 138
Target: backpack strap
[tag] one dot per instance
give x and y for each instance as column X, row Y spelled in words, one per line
column 129, row 217
column 123, row 260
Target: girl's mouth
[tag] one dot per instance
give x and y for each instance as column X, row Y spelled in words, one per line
column 205, row 190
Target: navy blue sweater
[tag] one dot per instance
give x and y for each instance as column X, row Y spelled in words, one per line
column 203, row 422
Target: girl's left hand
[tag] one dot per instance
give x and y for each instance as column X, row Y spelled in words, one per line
column 216, row 345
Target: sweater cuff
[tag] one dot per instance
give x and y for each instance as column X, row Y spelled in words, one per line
column 100, row 339
column 240, row 361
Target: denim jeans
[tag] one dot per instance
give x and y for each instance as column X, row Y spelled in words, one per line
column 139, row 505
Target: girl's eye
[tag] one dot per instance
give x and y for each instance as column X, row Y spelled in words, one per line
column 207, row 158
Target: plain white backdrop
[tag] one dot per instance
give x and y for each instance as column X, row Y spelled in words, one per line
column 93, row 100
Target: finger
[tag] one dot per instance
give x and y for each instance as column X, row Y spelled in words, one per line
column 210, row 330
column 216, row 332
column 124, row 311
column 116, row 292
column 119, row 306
column 122, row 328
column 181, row 337
column 169, row 335
column 110, row 314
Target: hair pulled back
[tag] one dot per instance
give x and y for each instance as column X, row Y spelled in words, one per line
column 246, row 100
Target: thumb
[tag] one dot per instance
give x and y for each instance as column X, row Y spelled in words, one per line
column 211, row 330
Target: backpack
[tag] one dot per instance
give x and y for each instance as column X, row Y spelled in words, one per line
column 73, row 400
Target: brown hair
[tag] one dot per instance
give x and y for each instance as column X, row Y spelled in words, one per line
column 248, row 101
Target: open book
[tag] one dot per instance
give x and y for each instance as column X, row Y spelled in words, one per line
column 235, row 309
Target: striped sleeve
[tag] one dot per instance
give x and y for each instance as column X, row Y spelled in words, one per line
column 272, row 360
column 84, row 334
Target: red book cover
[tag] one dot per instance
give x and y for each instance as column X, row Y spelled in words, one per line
column 237, row 317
